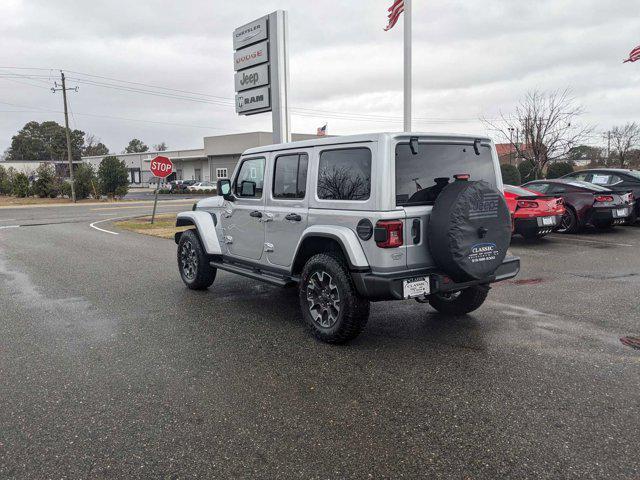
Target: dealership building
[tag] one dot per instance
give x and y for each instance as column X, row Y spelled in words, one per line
column 216, row 159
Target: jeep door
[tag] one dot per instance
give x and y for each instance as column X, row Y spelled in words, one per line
column 242, row 219
column 286, row 208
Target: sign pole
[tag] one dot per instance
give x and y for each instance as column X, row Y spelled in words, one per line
column 279, row 54
column 155, row 201
column 407, row 65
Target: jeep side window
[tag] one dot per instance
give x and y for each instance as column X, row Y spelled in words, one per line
column 344, row 174
column 290, row 177
column 250, row 180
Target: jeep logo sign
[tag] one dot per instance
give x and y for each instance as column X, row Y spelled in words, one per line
column 252, row 78
column 250, row 100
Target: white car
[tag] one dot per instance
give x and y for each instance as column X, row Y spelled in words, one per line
column 201, row 187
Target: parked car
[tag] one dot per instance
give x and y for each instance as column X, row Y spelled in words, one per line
column 180, row 186
column 534, row 215
column 585, row 203
column 617, row 179
column 354, row 219
column 201, row 187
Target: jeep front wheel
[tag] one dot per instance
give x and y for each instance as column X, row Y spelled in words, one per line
column 195, row 270
column 460, row 302
column 332, row 309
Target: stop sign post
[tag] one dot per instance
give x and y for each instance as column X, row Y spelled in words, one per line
column 161, row 167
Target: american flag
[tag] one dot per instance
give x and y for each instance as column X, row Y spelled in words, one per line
column 322, row 131
column 394, row 13
column 633, row 55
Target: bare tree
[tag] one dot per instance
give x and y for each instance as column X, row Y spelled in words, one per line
column 623, row 140
column 160, row 147
column 546, row 122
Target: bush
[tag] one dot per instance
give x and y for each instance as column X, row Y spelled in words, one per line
column 559, row 169
column 20, row 185
column 528, row 171
column 65, row 189
column 47, row 185
column 84, row 181
column 510, row 174
column 113, row 177
column 5, row 181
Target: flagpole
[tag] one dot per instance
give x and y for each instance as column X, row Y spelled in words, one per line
column 407, row 65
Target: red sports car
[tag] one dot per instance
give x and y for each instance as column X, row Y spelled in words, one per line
column 534, row 215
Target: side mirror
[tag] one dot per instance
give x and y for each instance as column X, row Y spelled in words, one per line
column 223, row 187
column 247, row 188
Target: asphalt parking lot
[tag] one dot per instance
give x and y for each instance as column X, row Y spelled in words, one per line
column 111, row 368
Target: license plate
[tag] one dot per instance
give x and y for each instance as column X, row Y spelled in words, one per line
column 415, row 287
column 621, row 212
column 548, row 221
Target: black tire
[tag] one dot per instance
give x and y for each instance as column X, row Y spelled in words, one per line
column 332, row 309
column 568, row 222
column 460, row 303
column 193, row 264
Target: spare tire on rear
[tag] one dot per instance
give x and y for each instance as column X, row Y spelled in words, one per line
column 469, row 230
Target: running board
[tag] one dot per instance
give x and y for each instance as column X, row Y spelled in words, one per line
column 256, row 274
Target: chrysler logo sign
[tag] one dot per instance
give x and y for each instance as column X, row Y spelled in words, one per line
column 253, row 32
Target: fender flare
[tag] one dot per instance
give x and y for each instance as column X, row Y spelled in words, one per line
column 203, row 222
column 345, row 237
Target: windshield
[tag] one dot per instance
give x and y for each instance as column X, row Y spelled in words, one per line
column 634, row 173
column 420, row 178
column 590, row 186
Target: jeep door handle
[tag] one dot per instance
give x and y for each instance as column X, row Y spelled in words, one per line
column 256, row 214
column 293, row 217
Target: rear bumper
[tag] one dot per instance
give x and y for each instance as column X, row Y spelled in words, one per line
column 532, row 226
column 603, row 215
column 377, row 286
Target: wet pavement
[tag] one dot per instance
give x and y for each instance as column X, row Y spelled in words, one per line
column 110, row 368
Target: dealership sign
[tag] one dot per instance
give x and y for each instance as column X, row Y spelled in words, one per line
column 252, row 78
column 261, row 67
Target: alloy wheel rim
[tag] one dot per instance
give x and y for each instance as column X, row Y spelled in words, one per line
column 451, row 296
column 323, row 298
column 565, row 222
column 189, row 261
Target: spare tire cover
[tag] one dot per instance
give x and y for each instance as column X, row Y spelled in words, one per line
column 469, row 230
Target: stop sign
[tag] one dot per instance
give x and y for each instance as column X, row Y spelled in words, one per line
column 161, row 167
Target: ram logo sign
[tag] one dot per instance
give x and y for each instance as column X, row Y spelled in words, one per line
column 252, row 100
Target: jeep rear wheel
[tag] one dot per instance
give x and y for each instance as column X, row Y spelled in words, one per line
column 332, row 309
column 193, row 264
column 460, row 302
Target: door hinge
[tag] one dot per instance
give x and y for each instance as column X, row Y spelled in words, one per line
column 268, row 247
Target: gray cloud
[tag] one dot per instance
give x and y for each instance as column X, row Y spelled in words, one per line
column 471, row 59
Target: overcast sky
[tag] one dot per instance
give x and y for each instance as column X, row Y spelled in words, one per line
column 472, row 59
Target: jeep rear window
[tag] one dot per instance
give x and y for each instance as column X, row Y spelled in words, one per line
column 420, row 178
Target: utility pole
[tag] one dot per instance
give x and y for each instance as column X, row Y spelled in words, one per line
column 67, row 131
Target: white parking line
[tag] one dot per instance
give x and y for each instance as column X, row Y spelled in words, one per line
column 93, row 225
column 10, row 226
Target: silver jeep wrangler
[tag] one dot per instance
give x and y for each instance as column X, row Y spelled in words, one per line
column 354, row 219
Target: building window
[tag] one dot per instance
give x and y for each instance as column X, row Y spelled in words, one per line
column 221, row 173
column 179, row 174
column 134, row 175
column 198, row 175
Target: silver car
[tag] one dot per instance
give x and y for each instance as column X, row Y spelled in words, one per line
column 355, row 219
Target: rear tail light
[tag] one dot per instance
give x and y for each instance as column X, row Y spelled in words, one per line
column 604, row 198
column 462, row 176
column 527, row 204
column 560, row 201
column 388, row 233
